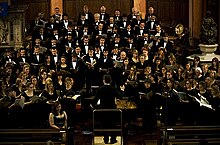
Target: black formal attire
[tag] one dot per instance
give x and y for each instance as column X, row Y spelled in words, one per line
column 104, row 17
column 91, row 71
column 55, row 59
column 23, row 59
column 50, row 26
column 82, row 23
column 118, row 20
column 88, row 16
column 107, row 95
column 151, row 26
column 69, row 105
column 35, row 25
column 148, row 107
column 148, row 16
column 77, row 70
column 42, row 35
column 65, row 23
column 7, row 59
column 168, row 45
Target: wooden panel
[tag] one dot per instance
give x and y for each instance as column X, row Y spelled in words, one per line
column 44, row 7
column 72, row 7
column 167, row 10
column 30, row 13
column 171, row 12
column 154, row 4
column 164, row 12
column 125, row 6
column 96, row 4
column 36, row 7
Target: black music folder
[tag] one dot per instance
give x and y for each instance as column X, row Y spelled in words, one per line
column 146, row 95
column 182, row 96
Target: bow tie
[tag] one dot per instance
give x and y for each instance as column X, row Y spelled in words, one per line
column 54, row 55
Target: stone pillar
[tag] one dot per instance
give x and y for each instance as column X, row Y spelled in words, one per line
column 54, row 4
column 219, row 26
column 140, row 5
column 197, row 14
column 17, row 30
column 12, row 32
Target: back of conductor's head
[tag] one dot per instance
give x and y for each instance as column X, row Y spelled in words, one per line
column 107, row 79
column 49, row 142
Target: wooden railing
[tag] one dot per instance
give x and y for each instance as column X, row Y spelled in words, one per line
column 32, row 136
column 189, row 135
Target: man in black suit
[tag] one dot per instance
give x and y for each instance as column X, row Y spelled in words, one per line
column 151, row 25
column 91, row 69
column 77, row 70
column 103, row 15
column 133, row 14
column 51, row 25
column 87, row 13
column 85, row 44
column 55, row 57
column 106, row 95
column 82, row 21
column 42, row 35
column 57, row 15
column 35, row 24
column 149, row 14
column 118, row 17
column 37, row 58
column 23, row 58
column 167, row 44
column 8, row 57
column 159, row 31
column 128, row 32
column 65, row 22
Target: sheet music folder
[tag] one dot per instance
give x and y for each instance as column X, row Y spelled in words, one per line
column 19, row 102
column 181, row 95
column 36, row 99
column 202, row 102
column 146, row 95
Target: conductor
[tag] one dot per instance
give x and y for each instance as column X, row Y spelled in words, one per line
column 105, row 98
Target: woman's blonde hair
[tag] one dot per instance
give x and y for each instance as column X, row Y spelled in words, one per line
column 48, row 83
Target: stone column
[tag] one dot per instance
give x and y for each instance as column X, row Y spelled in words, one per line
column 219, row 26
column 54, row 4
column 140, row 5
column 17, row 30
column 197, row 12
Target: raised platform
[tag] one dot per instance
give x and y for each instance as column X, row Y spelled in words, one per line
column 207, row 55
column 204, row 58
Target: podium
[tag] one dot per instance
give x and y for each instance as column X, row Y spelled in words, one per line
column 107, row 115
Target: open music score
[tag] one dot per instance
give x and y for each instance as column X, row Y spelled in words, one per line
column 125, row 104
